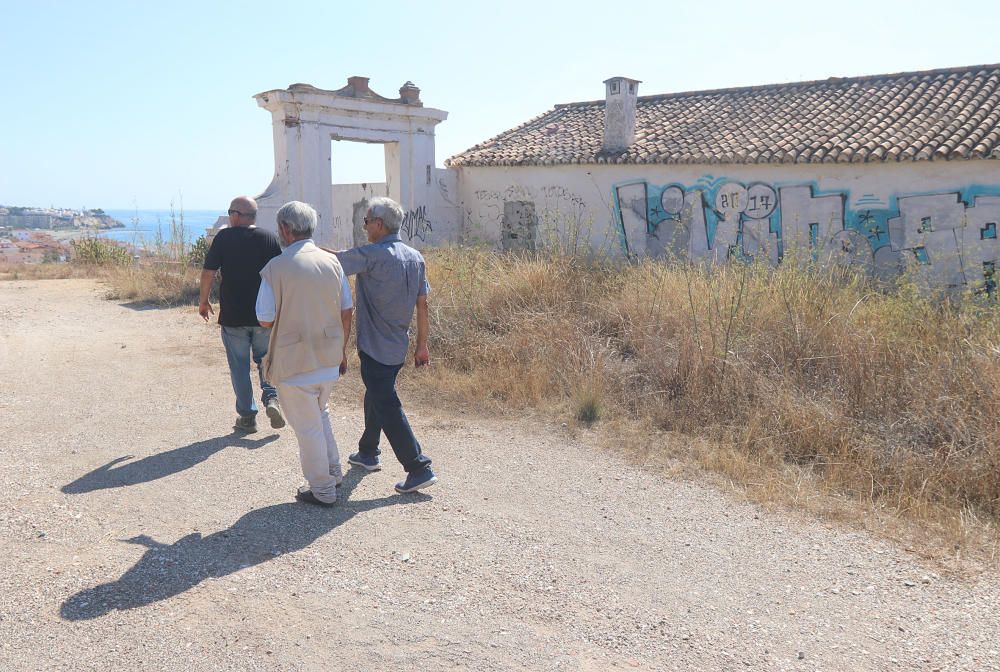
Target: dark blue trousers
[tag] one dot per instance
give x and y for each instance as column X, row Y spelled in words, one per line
column 384, row 413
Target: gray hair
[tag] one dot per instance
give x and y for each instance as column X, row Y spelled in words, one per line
column 388, row 210
column 298, row 217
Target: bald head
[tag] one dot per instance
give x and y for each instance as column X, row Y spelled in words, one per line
column 242, row 211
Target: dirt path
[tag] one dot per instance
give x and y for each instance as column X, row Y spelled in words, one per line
column 139, row 533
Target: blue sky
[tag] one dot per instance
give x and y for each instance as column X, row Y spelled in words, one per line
column 122, row 104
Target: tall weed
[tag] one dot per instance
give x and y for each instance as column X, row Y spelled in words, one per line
column 891, row 397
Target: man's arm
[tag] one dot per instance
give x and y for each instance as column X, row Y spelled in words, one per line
column 265, row 306
column 422, row 355
column 353, row 261
column 347, row 319
column 204, row 307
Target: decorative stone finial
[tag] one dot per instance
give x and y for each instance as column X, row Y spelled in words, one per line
column 410, row 94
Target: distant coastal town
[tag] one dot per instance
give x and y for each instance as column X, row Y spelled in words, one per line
column 38, row 235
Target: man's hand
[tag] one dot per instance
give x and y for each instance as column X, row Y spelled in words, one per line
column 343, row 365
column 205, row 309
column 421, row 356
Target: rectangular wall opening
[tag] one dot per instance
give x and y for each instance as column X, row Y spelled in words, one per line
column 359, row 173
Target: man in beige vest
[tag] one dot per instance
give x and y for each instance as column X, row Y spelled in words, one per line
column 306, row 300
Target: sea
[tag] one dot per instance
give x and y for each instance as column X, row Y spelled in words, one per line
column 141, row 226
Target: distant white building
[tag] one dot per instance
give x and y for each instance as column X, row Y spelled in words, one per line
column 22, row 252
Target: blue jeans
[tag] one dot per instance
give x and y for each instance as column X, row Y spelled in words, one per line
column 241, row 343
column 384, row 413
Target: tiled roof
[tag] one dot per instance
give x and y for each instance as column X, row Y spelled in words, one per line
column 913, row 116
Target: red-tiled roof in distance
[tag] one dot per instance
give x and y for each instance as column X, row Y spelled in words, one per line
column 914, row 116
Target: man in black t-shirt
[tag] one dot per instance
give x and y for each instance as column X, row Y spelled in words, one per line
column 240, row 251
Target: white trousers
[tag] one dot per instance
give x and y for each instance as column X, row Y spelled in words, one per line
column 307, row 409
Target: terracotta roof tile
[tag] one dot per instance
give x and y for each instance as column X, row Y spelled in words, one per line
column 917, row 116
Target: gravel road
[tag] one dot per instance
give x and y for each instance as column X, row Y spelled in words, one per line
column 139, row 532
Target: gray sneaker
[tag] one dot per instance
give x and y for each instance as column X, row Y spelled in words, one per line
column 246, row 424
column 274, row 414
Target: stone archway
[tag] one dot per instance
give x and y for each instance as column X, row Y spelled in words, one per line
column 306, row 120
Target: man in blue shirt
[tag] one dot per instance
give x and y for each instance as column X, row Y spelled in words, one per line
column 391, row 282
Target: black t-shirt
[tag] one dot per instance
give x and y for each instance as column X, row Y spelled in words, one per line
column 240, row 252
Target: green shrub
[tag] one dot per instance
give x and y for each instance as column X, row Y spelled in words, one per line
column 196, row 255
column 100, row 252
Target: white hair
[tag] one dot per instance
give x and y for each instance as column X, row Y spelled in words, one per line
column 298, row 217
column 388, row 210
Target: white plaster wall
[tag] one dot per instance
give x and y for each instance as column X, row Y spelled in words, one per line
column 443, row 225
column 916, row 212
column 430, row 225
column 350, row 204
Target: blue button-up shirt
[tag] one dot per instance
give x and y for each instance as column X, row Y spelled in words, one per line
column 390, row 277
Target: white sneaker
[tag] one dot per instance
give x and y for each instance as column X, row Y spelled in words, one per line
column 274, row 414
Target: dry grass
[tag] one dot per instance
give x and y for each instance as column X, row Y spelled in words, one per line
column 53, row 271
column 790, row 384
column 159, row 283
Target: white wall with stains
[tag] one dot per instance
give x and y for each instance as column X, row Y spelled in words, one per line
column 349, row 206
column 938, row 218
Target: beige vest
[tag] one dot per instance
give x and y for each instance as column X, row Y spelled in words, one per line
column 307, row 333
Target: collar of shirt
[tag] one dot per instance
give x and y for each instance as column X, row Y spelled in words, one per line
column 389, row 238
column 296, row 245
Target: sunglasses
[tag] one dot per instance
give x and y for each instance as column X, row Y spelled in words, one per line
column 233, row 213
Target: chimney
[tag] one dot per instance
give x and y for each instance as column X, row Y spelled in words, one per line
column 359, row 84
column 619, row 113
column 410, row 94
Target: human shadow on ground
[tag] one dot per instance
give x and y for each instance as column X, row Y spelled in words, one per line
column 141, row 305
column 161, row 464
column 183, row 300
column 166, row 570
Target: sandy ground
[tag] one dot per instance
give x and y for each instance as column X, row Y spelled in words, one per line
column 139, row 532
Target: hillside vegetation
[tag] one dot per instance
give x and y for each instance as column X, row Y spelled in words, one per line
column 777, row 379
column 789, row 383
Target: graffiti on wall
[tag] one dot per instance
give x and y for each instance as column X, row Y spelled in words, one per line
column 949, row 239
column 416, row 224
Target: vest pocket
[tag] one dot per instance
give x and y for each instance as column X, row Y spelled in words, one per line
column 333, row 332
column 288, row 339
